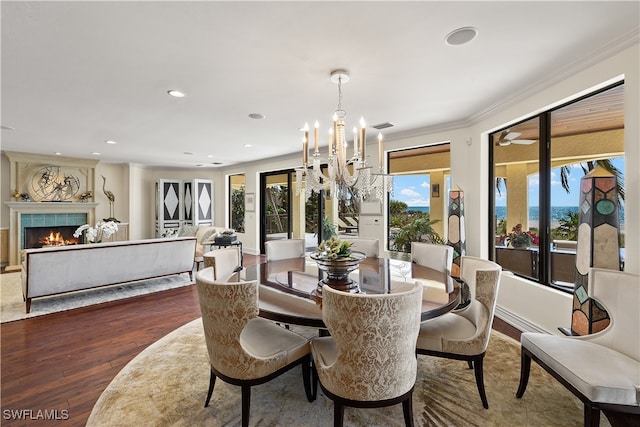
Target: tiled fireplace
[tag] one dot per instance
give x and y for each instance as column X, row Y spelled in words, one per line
column 49, row 215
column 40, row 230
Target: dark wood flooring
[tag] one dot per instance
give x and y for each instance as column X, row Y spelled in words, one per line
column 63, row 361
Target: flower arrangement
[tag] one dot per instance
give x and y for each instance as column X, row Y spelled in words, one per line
column 170, row 232
column 519, row 238
column 333, row 248
column 102, row 230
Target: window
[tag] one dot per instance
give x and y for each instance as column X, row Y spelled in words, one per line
column 236, row 202
column 418, row 205
column 536, row 170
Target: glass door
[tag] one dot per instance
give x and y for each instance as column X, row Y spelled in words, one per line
column 285, row 215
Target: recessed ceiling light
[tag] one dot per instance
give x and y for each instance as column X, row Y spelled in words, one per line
column 188, row 153
column 95, row 153
column 248, row 145
column 461, row 36
column 257, row 116
column 57, row 153
column 110, row 142
column 209, row 155
column 176, row 93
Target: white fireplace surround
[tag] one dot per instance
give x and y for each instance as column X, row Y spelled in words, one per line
column 17, row 209
column 23, row 168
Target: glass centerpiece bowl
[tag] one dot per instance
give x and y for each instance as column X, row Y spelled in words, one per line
column 336, row 259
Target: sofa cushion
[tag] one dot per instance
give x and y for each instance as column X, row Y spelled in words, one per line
column 600, row 373
column 205, row 234
column 187, row 231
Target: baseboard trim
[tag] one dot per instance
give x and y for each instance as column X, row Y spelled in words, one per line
column 517, row 321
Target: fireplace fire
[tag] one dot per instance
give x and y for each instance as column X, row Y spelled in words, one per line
column 39, row 237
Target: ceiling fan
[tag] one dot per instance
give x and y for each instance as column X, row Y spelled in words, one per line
column 507, row 138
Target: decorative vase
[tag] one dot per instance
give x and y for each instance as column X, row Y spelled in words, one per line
column 337, row 272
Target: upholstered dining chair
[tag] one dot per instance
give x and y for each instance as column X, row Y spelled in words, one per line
column 369, row 359
column 369, row 247
column 225, row 262
column 464, row 334
column 282, row 249
column 438, row 257
column 601, row 369
column 245, row 349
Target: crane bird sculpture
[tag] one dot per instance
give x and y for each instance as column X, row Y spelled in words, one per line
column 111, row 198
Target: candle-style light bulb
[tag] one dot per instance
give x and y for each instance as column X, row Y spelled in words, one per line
column 330, row 141
column 305, row 149
column 316, row 129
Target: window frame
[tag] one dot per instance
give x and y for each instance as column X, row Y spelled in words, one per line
column 543, row 266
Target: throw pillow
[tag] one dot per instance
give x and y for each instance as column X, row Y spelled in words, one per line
column 208, row 235
column 187, row 231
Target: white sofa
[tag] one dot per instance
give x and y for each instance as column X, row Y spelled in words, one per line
column 205, row 235
column 56, row 270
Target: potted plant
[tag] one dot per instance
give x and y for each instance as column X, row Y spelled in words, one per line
column 337, row 260
column 518, row 238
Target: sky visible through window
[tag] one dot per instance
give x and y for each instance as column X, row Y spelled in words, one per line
column 559, row 196
column 414, row 190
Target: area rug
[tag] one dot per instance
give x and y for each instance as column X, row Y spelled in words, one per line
column 12, row 306
column 166, row 384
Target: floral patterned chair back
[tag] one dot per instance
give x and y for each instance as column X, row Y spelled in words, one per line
column 375, row 339
column 244, row 349
column 483, row 277
column 226, row 310
column 464, row 334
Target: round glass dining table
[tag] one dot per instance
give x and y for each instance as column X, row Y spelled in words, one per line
column 286, row 287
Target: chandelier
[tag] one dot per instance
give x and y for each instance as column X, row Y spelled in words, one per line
column 340, row 173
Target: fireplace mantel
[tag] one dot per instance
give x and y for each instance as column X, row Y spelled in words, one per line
column 17, row 209
column 51, row 207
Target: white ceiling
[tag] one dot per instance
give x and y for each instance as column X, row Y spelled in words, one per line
column 75, row 74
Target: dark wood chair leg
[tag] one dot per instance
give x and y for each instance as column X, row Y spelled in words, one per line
column 314, row 379
column 407, row 410
column 246, row 405
column 591, row 416
column 477, row 364
column 338, row 414
column 212, row 383
column 307, row 380
column 525, row 367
